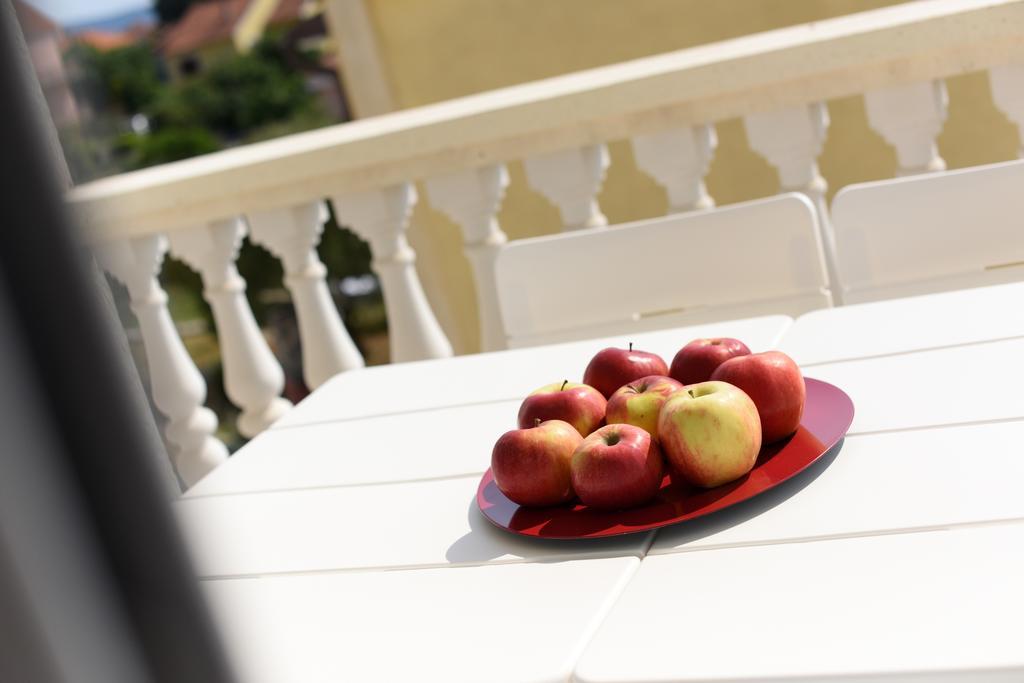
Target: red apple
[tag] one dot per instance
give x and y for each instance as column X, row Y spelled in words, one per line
column 775, row 384
column 710, row 433
column 695, row 362
column 639, row 402
column 532, row 466
column 579, row 405
column 611, row 368
column 616, row 467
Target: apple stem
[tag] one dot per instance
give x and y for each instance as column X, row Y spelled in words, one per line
column 690, row 392
column 564, row 382
column 630, row 346
column 536, row 422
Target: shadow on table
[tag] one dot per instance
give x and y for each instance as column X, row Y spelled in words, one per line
column 741, row 512
column 485, row 542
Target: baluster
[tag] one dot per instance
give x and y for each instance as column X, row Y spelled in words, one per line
column 910, row 117
column 677, row 160
column 791, row 140
column 571, row 179
column 178, row 388
column 381, row 217
column 472, row 199
column 292, row 235
column 1007, row 83
column 253, row 378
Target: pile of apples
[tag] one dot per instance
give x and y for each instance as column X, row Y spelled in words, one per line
column 609, row 441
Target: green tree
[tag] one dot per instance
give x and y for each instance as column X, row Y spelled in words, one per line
column 169, row 11
column 235, row 94
column 165, row 145
column 128, row 78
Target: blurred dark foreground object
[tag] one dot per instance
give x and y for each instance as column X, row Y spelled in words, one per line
column 95, row 584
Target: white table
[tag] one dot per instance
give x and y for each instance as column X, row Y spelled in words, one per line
column 346, row 544
column 331, row 553
column 899, row 560
column 502, row 623
column 926, row 606
column 405, row 524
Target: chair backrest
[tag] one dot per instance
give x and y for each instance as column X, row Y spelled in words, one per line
column 929, row 233
column 755, row 258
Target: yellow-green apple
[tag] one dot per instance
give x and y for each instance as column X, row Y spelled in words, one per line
column 774, row 382
column 617, row 467
column 695, row 362
column 639, row 402
column 532, row 466
column 578, row 404
column 710, row 433
column 613, row 367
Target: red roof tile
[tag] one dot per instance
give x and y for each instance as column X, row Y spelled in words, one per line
column 110, row 40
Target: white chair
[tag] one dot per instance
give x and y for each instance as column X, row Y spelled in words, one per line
column 743, row 260
column 935, row 232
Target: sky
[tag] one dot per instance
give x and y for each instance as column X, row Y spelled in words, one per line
column 79, row 11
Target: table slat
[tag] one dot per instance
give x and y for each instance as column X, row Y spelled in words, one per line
column 431, row 523
column 926, row 388
column 517, row 623
column 877, row 484
column 887, row 608
column 911, row 324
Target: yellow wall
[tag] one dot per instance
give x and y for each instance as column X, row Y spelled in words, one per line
column 438, row 49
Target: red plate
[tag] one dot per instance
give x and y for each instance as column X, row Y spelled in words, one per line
column 828, row 413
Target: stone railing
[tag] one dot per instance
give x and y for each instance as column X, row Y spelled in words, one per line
column 666, row 105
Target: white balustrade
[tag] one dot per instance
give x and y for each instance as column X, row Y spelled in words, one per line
column 292, row 235
column 570, row 179
column 666, row 105
column 910, row 118
column 472, row 199
column 253, row 378
column 1007, row 83
column 791, row 141
column 381, row 217
column 678, row 159
column 178, row 388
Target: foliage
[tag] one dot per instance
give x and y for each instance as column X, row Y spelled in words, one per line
column 165, row 145
column 170, row 11
column 342, row 251
column 302, row 120
column 235, row 98
column 128, row 78
column 235, row 94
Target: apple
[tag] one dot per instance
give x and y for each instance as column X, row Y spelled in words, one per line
column 639, row 402
column 774, row 382
column 578, row 404
column 532, row 466
column 616, row 467
column 710, row 433
column 695, row 362
column 611, row 368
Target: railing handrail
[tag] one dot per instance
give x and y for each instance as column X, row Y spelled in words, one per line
column 795, row 65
